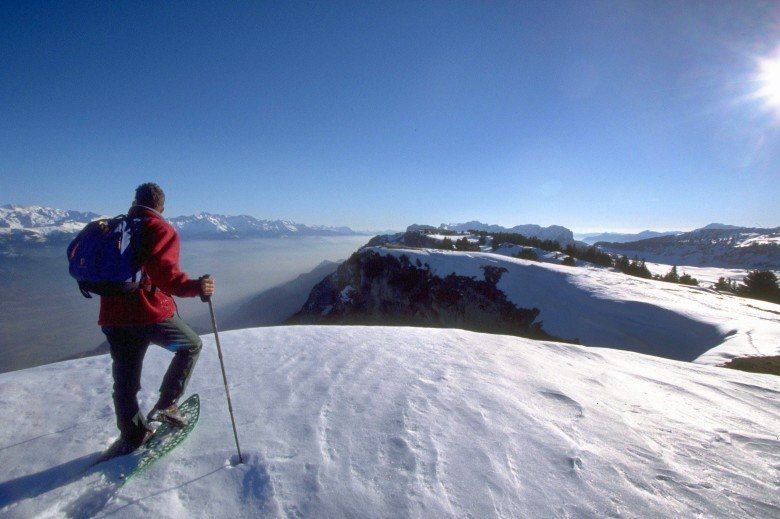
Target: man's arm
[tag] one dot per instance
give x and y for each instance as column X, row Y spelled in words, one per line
column 162, row 264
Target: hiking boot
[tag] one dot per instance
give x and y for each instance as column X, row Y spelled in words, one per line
column 170, row 415
column 123, row 446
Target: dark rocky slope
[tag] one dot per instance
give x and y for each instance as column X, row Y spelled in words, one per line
column 373, row 289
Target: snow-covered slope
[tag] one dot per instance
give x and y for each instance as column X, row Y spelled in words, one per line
column 404, row 422
column 603, row 307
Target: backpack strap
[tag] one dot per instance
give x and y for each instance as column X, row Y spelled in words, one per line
column 84, row 291
column 135, row 241
column 136, row 229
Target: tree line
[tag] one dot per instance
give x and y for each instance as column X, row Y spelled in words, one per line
column 592, row 254
column 757, row 284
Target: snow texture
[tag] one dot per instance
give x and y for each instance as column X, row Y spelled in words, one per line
column 604, row 307
column 406, row 422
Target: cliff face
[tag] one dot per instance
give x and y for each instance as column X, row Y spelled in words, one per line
column 373, row 289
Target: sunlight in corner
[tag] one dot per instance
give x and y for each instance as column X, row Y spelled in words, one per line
column 768, row 79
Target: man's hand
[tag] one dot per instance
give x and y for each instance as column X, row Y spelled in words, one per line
column 206, row 287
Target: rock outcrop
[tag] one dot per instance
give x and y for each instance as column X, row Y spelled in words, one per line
column 374, row 289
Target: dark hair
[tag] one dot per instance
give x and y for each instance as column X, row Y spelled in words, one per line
column 150, row 195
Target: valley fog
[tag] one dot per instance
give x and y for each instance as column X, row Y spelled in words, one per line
column 44, row 318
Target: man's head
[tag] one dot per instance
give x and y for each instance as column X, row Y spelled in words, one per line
column 150, row 195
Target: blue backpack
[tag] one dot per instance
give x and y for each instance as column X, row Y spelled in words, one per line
column 104, row 257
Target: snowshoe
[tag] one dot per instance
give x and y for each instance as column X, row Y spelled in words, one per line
column 170, row 415
column 122, row 446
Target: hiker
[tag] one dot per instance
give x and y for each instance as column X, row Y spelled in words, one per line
column 149, row 315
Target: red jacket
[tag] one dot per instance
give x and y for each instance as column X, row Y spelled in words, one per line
column 159, row 251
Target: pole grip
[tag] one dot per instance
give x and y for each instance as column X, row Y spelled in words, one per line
column 203, row 298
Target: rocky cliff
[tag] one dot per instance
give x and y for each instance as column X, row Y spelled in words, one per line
column 370, row 288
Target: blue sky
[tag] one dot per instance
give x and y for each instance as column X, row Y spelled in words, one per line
column 593, row 115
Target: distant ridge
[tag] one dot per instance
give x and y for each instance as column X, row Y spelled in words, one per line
column 557, row 233
column 616, row 237
column 721, row 226
column 211, row 226
column 30, row 225
column 715, row 245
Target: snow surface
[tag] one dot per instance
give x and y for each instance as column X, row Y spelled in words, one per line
column 760, row 239
column 604, row 307
column 406, row 422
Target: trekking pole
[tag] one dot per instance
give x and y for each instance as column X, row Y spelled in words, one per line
column 224, row 376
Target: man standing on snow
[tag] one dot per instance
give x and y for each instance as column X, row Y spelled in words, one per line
column 149, row 315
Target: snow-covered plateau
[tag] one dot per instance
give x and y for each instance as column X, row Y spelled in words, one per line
column 606, row 308
column 405, row 422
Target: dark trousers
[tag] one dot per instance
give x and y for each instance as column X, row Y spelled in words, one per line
column 128, row 347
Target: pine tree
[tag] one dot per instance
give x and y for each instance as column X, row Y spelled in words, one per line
column 761, row 284
column 528, row 254
column 672, row 276
column 724, row 285
column 639, row 269
column 465, row 245
column 622, row 263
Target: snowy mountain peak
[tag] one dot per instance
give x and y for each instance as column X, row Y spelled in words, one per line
column 35, row 217
column 21, row 225
column 207, row 225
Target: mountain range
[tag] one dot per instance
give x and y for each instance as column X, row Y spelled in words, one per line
column 557, row 233
column 211, row 226
column 37, row 225
column 616, row 237
column 715, row 245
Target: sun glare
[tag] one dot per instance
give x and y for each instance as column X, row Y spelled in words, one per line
column 769, row 82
